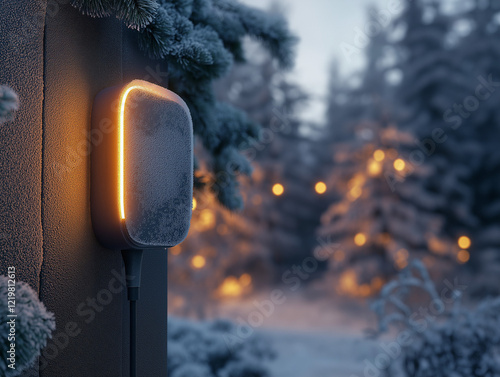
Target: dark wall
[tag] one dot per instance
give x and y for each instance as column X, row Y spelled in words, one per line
column 45, row 224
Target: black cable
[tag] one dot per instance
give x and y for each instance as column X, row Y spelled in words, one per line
column 132, row 260
column 133, row 337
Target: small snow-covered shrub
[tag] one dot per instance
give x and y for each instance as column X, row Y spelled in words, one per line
column 34, row 326
column 9, row 104
column 202, row 350
column 442, row 339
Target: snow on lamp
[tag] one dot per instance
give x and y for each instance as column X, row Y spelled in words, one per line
column 142, row 167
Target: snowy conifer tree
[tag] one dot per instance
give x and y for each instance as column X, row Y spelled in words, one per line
column 200, row 40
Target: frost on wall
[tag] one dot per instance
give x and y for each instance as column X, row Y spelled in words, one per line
column 442, row 338
column 210, row 350
column 9, row 104
column 200, row 40
column 33, row 327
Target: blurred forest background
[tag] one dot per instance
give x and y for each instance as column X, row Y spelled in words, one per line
column 404, row 166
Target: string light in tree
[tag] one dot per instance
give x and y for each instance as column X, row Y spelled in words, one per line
column 198, row 262
column 278, row 189
column 463, row 256
column 464, row 242
column 399, row 164
column 320, row 188
column 374, row 168
column 360, row 239
column 379, row 155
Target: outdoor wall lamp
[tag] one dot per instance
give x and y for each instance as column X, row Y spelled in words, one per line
column 141, row 176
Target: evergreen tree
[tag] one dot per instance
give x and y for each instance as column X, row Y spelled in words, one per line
column 433, row 83
column 200, row 40
column 390, row 207
column 248, row 248
column 480, row 53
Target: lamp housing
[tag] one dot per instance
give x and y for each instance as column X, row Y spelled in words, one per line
column 141, row 167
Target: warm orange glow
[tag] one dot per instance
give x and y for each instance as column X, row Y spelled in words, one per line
column 245, row 280
column 134, row 85
column 374, row 168
column 402, row 263
column 176, row 250
column 278, row 189
column 399, row 164
column 198, row 261
column 463, row 256
column 339, row 255
column 379, row 155
column 464, row 242
column 195, row 204
column 402, row 254
column 364, row 290
column 231, row 287
column 437, row 246
column 360, row 239
column 348, row 282
column 206, row 219
column 320, row 187
column 355, row 193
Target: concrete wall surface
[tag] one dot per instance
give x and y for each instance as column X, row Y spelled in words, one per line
column 57, row 60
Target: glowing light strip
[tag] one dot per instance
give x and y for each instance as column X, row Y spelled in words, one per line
column 150, row 88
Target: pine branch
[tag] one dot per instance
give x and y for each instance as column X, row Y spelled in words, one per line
column 94, row 8
column 137, row 14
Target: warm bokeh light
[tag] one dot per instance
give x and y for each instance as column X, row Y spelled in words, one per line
column 245, row 280
column 379, row 155
column 464, row 242
column 195, row 204
column 374, row 168
column 437, row 246
column 207, row 219
column 278, row 189
column 230, row 287
column 355, row 193
column 401, row 263
column 463, row 256
column 176, row 250
column 320, row 187
column 399, row 164
column 339, row 256
column 198, row 261
column 360, row 239
column 348, row 282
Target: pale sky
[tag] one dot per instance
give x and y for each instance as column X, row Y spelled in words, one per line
column 323, row 25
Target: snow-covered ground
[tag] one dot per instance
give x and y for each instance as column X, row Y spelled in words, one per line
column 313, row 336
column 319, row 354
